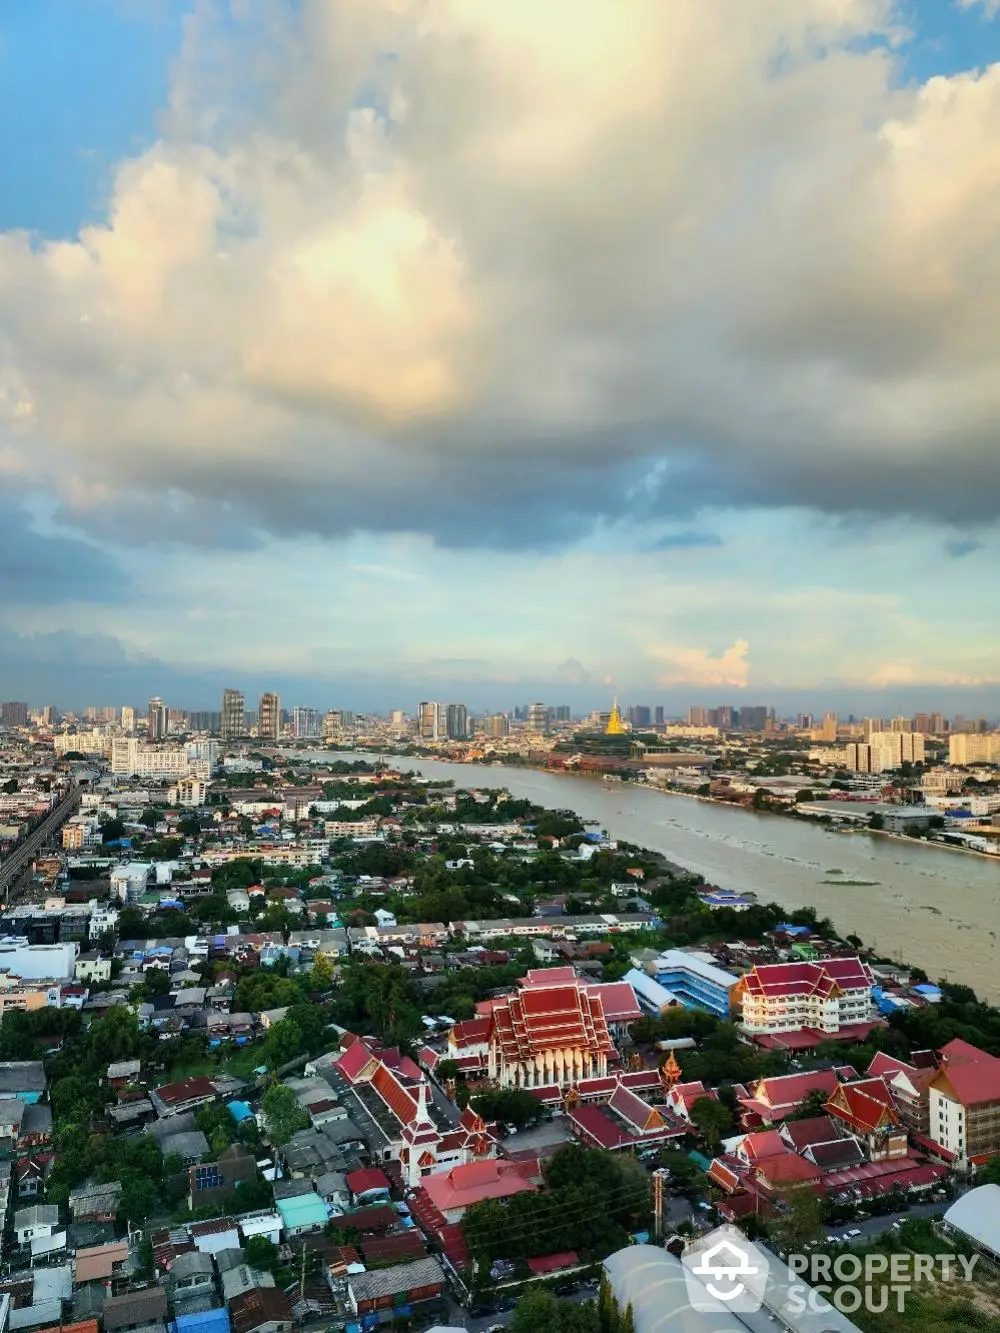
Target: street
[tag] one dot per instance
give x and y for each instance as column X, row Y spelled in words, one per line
column 21, row 857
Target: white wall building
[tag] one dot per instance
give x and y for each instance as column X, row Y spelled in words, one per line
column 37, row 962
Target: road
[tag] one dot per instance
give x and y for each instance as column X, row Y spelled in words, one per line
column 23, row 855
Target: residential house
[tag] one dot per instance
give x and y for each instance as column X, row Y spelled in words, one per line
column 23, row 1079
column 134, row 1310
column 214, row 1182
column 237, row 1281
column 92, row 967
column 263, row 1310
column 185, row 1095
column 95, row 1202
column 910, row 1089
column 100, row 1263
column 219, row 1234
column 40, row 1219
column 191, row 1275
column 384, row 1289
column 122, row 1073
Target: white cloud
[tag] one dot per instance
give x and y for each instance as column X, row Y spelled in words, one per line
column 697, row 666
column 449, row 266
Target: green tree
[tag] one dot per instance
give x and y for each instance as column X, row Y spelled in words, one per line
column 283, row 1116
column 150, row 818
column 284, row 1043
column 261, row 1253
column 112, row 830
column 798, row 1219
column 712, row 1118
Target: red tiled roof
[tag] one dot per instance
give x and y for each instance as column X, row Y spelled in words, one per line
column 355, row 1060
column 187, row 1089
column 865, row 1106
column 473, row 1032
column 766, row 1143
column 463, row 1186
column 634, row 1110
column 829, row 977
column 552, row 1263
column 618, row 1001
column 803, row 1134
column 397, row 1246
column 789, row 1169
column 546, row 1014
column 370, row 1178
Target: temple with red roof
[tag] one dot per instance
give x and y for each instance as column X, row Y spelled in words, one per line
column 865, row 1111
column 551, row 1031
column 394, row 1106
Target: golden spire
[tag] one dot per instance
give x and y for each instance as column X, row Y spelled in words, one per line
column 615, row 725
column 671, row 1071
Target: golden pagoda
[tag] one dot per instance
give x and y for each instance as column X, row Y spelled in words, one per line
column 670, row 1074
column 615, row 727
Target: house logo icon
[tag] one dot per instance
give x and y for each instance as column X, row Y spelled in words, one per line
column 724, row 1270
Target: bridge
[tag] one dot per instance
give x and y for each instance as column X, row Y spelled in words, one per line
column 20, row 859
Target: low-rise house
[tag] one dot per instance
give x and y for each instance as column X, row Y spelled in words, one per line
column 302, row 1213
column 190, row 1145
column 219, row 1234
column 191, row 1275
column 404, row 1284
column 122, row 1073
column 23, row 1079
column 185, row 1095
column 263, row 1310
column 331, row 1186
column 100, row 1263
column 96, row 1202
column 29, row 1177
column 134, row 1310
column 213, row 1182
column 241, row 1279
column 92, row 967
column 40, row 1219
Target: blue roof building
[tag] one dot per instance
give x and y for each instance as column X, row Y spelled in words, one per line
column 205, row 1321
column 302, row 1213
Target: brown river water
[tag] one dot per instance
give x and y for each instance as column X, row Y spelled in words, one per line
column 930, row 906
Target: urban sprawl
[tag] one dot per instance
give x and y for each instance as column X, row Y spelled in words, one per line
column 292, row 1037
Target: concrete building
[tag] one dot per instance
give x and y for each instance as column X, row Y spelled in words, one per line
column 696, row 981
column 37, row 962
column 549, row 1032
column 269, row 717
column 233, row 723
column 133, row 758
column 967, row 748
column 964, row 1104
column 156, row 720
column 823, row 996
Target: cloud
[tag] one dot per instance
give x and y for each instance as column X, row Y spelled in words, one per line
column 572, row 672
column 444, row 293
column 39, row 570
column 957, row 547
column 697, row 666
column 686, row 538
column 991, row 8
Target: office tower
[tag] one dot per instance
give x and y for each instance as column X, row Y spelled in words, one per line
column 233, row 722
column 640, row 715
column 156, row 720
column 269, row 717
column 305, row 722
column 921, row 722
column 538, row 718
column 658, row 716
column 564, row 713
column 828, row 731
column 498, row 726
column 205, row 720
column 937, row 726
column 457, row 722
column 128, row 720
column 698, row 716
column 13, row 714
column 753, row 717
column 901, row 724
column 806, row 721
column 50, row 715
column 722, row 717
column 432, row 721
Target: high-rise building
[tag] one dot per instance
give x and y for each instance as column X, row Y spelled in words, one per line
column 658, row 716
column 921, row 722
column 699, row 716
column 306, row 722
column 457, row 722
column 640, row 715
column 538, row 718
column 828, row 731
column 721, row 717
column 205, row 720
column 753, row 717
column 968, row 748
column 156, row 720
column 901, row 724
column 128, row 720
column 13, row 714
column 498, row 726
column 938, row 726
column 269, row 717
column 432, row 721
column 50, row 715
column 233, row 721
column 563, row 713
column 399, row 720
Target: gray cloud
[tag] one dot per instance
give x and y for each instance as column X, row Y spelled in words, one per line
column 958, row 547
column 443, row 293
column 37, row 570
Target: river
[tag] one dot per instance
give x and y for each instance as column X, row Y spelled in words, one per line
column 926, row 905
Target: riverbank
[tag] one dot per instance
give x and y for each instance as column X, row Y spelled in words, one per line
column 938, row 912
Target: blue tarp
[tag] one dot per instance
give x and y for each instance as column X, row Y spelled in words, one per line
column 205, row 1321
column 240, row 1111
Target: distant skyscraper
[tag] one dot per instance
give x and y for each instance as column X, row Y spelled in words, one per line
column 828, row 731
column 128, row 720
column 538, row 718
column 902, row 724
column 399, row 720
column 699, row 716
column 563, row 713
column 498, row 726
column 658, row 716
column 233, row 723
column 205, row 720
column 156, row 720
column 306, row 722
column 457, row 722
column 722, row 717
column 753, row 717
column 14, row 714
column 269, row 717
column 50, row 715
column 432, row 720
column 639, row 715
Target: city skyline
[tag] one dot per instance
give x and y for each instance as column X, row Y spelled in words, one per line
column 283, row 406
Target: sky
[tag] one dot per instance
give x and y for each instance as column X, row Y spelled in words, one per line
column 378, row 350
